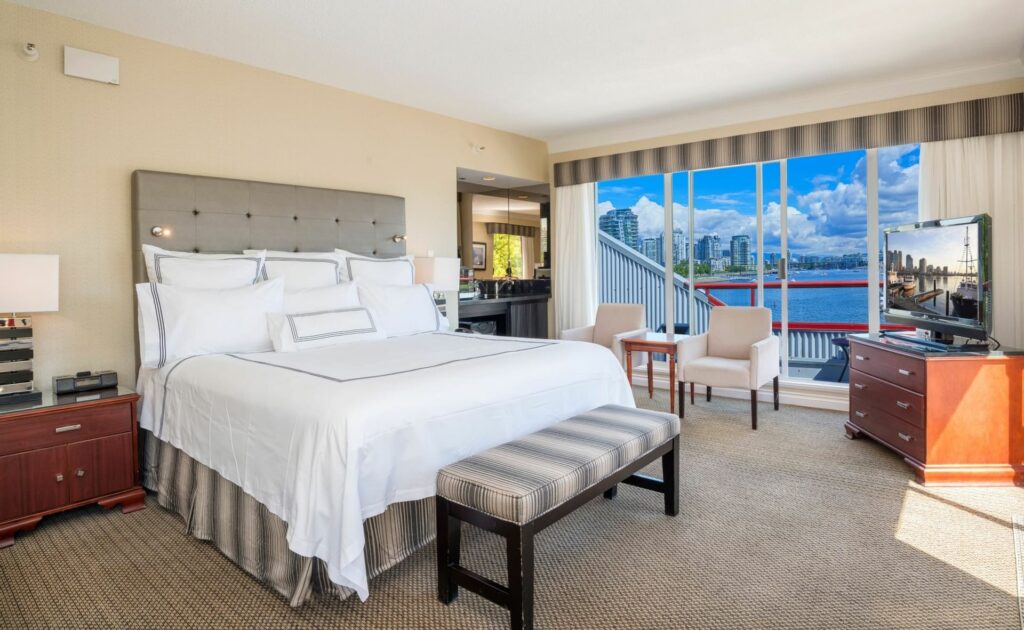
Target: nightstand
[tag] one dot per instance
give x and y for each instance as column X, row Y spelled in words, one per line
column 66, row 452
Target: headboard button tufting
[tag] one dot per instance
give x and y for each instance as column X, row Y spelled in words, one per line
column 337, row 220
column 248, row 215
column 295, row 218
column 373, row 221
column 374, row 252
column 195, row 212
column 195, row 250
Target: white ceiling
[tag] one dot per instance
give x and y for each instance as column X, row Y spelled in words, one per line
column 585, row 72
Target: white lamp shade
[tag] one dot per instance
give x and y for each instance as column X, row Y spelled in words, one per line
column 442, row 273
column 29, row 283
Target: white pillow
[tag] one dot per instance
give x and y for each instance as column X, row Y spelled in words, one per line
column 370, row 270
column 403, row 310
column 332, row 298
column 202, row 271
column 301, row 331
column 178, row 322
column 302, row 270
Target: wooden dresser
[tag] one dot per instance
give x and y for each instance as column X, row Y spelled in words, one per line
column 66, row 453
column 956, row 418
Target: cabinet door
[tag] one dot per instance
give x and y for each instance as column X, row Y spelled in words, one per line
column 99, row 467
column 32, row 482
column 529, row 319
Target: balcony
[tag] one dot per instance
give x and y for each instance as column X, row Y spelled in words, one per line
column 628, row 276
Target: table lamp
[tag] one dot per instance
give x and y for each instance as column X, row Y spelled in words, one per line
column 442, row 274
column 29, row 283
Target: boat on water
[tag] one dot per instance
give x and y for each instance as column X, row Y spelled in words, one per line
column 965, row 298
column 909, row 285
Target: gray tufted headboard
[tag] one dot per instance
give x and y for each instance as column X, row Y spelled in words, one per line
column 218, row 215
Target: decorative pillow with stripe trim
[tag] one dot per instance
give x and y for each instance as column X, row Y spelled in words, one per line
column 370, row 270
column 302, row 331
column 302, row 270
column 403, row 310
column 203, row 271
column 178, row 322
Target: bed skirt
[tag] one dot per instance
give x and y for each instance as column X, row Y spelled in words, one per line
column 242, row 528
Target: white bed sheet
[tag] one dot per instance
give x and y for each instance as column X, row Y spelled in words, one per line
column 326, row 438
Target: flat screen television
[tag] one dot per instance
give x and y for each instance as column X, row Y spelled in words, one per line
column 938, row 276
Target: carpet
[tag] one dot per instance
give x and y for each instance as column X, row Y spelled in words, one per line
column 791, row 526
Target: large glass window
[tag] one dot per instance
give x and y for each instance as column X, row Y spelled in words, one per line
column 898, row 177
column 508, row 255
column 631, row 243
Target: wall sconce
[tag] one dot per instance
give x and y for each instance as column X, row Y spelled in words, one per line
column 398, row 238
column 158, row 231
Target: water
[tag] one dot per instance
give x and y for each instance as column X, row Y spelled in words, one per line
column 838, row 304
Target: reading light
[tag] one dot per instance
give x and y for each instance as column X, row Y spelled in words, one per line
column 159, row 231
column 398, row 238
column 489, row 178
column 29, row 52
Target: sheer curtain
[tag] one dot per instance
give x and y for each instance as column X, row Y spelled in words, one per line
column 575, row 269
column 984, row 174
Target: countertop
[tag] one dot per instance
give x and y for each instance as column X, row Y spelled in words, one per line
column 529, row 297
column 895, row 343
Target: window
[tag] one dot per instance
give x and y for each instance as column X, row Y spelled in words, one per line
column 508, row 254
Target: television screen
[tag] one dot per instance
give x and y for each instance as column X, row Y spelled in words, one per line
column 934, row 271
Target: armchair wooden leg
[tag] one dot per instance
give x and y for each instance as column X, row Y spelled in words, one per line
column 708, row 388
column 775, row 391
column 692, row 401
column 753, row 409
column 682, row 399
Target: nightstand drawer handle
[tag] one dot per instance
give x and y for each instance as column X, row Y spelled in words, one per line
column 860, row 414
column 80, row 472
column 904, row 437
column 68, row 428
column 860, row 385
column 860, row 357
column 904, row 372
column 902, row 405
column 60, row 478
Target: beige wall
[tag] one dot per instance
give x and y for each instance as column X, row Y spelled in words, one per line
column 68, row 147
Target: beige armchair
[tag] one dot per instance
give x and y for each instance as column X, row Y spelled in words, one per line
column 614, row 322
column 739, row 350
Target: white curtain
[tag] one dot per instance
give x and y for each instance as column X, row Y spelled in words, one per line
column 984, row 174
column 575, row 256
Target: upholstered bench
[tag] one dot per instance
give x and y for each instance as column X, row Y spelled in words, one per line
column 519, row 488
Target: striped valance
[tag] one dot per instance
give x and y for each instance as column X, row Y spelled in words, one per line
column 981, row 117
column 511, row 228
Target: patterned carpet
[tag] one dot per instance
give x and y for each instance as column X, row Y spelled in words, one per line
column 792, row 526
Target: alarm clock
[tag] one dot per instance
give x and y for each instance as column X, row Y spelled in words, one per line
column 84, row 382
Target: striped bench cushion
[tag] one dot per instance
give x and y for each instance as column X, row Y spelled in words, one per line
column 523, row 479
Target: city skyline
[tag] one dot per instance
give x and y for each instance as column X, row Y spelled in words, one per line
column 827, row 213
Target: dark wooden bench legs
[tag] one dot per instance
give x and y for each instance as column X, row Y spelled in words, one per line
column 517, row 597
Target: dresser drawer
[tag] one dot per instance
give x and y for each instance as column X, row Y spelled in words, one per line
column 891, row 367
column 25, row 434
column 901, row 436
column 882, row 396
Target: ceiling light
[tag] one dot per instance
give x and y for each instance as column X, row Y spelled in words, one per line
column 489, row 178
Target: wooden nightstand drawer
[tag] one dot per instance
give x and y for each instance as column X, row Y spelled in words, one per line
column 26, row 434
column 877, row 394
column 900, row 435
column 892, row 367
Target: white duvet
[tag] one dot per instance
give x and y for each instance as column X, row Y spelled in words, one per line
column 326, row 438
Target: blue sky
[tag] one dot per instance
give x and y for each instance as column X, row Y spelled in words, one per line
column 827, row 212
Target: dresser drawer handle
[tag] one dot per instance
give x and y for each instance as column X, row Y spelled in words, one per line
column 60, row 477
column 905, row 437
column 860, row 385
column 860, row 357
column 68, row 428
column 860, row 414
column 904, row 372
column 902, row 405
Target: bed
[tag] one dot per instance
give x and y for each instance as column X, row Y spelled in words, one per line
column 313, row 470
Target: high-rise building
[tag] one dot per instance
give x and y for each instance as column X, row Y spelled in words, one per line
column 680, row 246
column 921, row 266
column 910, row 263
column 739, row 251
column 654, row 248
column 622, row 224
column 708, row 248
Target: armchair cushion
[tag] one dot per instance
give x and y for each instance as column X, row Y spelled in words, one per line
column 583, row 333
column 764, row 361
column 718, row 372
column 690, row 348
column 733, row 329
column 613, row 319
